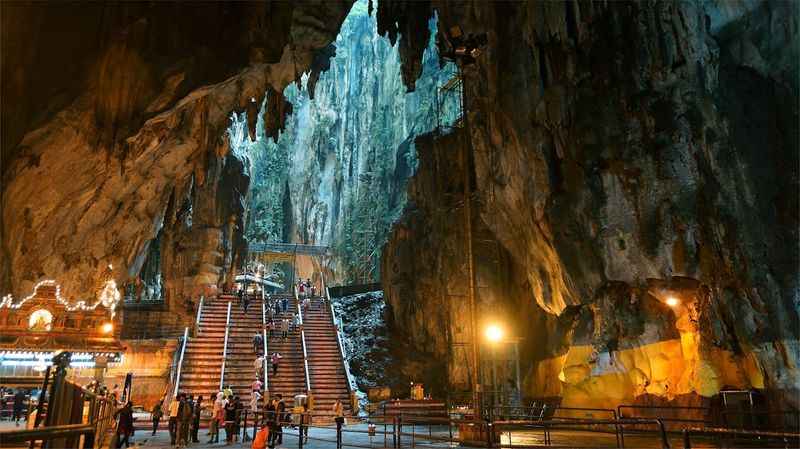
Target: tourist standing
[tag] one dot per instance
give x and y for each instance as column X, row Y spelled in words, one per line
column 285, row 304
column 198, row 407
column 237, row 417
column 230, row 417
column 301, row 289
column 261, row 438
column 156, row 414
column 338, row 416
column 172, row 425
column 217, row 417
column 125, row 424
column 184, row 421
column 279, row 407
column 19, row 405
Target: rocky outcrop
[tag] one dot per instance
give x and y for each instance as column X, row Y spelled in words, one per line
column 622, row 154
column 129, row 140
column 347, row 150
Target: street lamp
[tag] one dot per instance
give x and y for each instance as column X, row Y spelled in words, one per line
column 494, row 335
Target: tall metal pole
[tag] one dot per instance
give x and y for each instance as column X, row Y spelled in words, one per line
column 518, row 398
column 465, row 177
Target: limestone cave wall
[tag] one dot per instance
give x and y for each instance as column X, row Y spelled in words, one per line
column 621, row 154
column 114, row 130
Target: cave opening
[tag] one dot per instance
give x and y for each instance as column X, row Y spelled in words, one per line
column 336, row 174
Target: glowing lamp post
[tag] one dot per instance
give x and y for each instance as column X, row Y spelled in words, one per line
column 494, row 333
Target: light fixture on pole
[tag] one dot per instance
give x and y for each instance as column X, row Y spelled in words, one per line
column 463, row 50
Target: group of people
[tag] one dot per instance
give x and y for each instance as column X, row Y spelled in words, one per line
column 183, row 418
column 258, row 364
column 19, row 400
column 306, row 289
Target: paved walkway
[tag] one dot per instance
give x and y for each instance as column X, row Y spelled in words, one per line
column 356, row 436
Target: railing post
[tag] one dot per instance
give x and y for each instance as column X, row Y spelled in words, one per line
column 663, row 431
column 180, row 361
column 225, row 346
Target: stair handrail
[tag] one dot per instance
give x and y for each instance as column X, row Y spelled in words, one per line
column 302, row 338
column 199, row 310
column 225, row 346
column 180, row 362
column 339, row 340
column 264, row 334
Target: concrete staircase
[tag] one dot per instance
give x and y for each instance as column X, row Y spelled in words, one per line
column 291, row 378
column 240, row 369
column 202, row 361
column 328, row 377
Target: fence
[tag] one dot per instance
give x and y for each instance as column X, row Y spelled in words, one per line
column 406, row 430
column 66, row 416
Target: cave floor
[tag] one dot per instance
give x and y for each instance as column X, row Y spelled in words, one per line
column 325, row 438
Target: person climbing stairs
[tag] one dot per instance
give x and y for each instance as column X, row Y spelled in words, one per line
column 290, row 379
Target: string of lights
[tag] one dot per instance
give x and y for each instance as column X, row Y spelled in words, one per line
column 108, row 296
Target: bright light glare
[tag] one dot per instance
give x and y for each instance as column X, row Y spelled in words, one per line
column 672, row 301
column 494, row 333
column 107, row 328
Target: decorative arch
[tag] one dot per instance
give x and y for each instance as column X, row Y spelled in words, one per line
column 108, row 297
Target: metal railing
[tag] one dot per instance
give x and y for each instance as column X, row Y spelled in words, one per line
column 303, row 338
column 93, row 428
column 180, row 361
column 788, row 439
column 289, row 248
column 264, row 335
column 225, row 346
column 199, row 310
